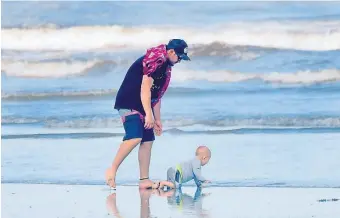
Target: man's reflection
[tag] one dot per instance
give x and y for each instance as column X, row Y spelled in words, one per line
column 111, row 205
column 144, row 194
column 175, row 198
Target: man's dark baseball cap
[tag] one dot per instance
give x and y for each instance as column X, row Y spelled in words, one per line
column 180, row 47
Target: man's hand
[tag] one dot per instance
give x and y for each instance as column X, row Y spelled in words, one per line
column 207, row 181
column 158, row 127
column 149, row 123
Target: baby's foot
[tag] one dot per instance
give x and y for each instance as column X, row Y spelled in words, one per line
column 156, row 185
column 110, row 180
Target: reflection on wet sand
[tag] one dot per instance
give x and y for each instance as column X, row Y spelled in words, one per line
column 176, row 199
column 188, row 204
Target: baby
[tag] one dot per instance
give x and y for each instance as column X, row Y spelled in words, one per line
column 187, row 171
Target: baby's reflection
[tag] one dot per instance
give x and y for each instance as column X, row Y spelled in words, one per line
column 188, row 204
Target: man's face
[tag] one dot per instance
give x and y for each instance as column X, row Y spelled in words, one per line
column 174, row 59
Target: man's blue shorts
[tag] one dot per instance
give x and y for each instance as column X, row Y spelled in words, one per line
column 134, row 126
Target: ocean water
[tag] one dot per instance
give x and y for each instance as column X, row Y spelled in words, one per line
column 262, row 90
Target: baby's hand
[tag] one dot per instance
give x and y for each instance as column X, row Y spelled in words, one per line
column 156, row 185
column 206, row 194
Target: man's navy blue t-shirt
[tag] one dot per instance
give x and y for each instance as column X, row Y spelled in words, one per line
column 153, row 64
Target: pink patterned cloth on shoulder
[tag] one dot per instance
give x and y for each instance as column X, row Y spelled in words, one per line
column 154, row 58
column 165, row 87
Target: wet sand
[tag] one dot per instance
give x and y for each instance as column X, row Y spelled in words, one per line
column 80, row 201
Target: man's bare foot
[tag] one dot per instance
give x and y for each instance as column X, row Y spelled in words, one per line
column 146, row 184
column 110, row 180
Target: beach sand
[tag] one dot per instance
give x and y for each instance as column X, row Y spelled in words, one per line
column 75, row 201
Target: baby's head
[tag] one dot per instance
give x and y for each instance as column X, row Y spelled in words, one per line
column 203, row 154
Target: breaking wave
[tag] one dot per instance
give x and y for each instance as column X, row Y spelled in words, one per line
column 301, row 77
column 298, row 35
column 220, row 123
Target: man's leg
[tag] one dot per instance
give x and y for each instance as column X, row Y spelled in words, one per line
column 134, row 128
column 124, row 150
column 144, row 156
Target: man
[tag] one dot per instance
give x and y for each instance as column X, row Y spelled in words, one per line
column 138, row 102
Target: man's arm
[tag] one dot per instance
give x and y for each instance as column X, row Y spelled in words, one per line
column 157, row 114
column 146, row 101
column 153, row 59
column 146, row 94
column 157, row 111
